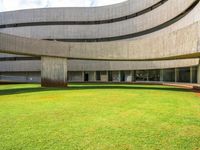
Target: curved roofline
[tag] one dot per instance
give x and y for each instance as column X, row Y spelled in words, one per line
column 113, row 20
column 92, row 13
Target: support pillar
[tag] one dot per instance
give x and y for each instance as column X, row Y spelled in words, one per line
column 119, row 76
column 147, row 75
column 82, row 76
column 191, row 74
column 198, row 74
column 53, row 72
column 133, row 76
column 161, row 75
column 95, row 76
column 176, row 74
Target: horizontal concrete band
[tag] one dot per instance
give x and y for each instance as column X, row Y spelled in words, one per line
column 90, row 65
column 141, row 12
column 180, row 44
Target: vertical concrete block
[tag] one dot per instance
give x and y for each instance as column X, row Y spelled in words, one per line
column 161, row 75
column 198, row 74
column 53, row 72
column 191, row 74
column 176, row 74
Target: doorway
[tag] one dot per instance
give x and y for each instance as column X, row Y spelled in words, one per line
column 86, row 77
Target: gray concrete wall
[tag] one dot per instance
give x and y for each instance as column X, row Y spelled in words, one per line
column 20, row 66
column 53, row 72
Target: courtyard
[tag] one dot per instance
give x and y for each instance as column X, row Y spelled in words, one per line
column 99, row 117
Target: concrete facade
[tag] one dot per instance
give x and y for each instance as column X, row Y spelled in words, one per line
column 113, row 43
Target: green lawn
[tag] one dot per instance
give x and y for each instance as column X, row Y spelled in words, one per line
column 99, row 117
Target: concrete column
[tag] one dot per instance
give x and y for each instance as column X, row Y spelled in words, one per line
column 82, row 76
column 95, row 76
column 176, row 74
column 107, row 75
column 27, row 76
column 119, row 78
column 161, row 75
column 191, row 74
column 147, row 75
column 198, row 74
column 133, row 75
column 53, row 72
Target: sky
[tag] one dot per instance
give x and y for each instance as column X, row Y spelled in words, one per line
column 8, row 5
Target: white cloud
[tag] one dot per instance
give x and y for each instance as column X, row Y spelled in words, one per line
column 7, row 5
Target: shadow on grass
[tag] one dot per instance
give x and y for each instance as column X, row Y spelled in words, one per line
column 90, row 87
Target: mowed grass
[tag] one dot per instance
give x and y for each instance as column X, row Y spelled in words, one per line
column 99, row 117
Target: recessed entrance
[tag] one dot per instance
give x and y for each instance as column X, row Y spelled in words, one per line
column 86, row 76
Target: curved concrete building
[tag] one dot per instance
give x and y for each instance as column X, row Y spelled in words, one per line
column 137, row 40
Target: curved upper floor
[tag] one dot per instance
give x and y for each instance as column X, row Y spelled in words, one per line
column 183, row 43
column 153, row 20
column 126, row 8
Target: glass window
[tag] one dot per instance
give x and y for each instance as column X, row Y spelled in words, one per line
column 169, row 75
column 154, row 75
column 141, row 75
column 184, row 75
